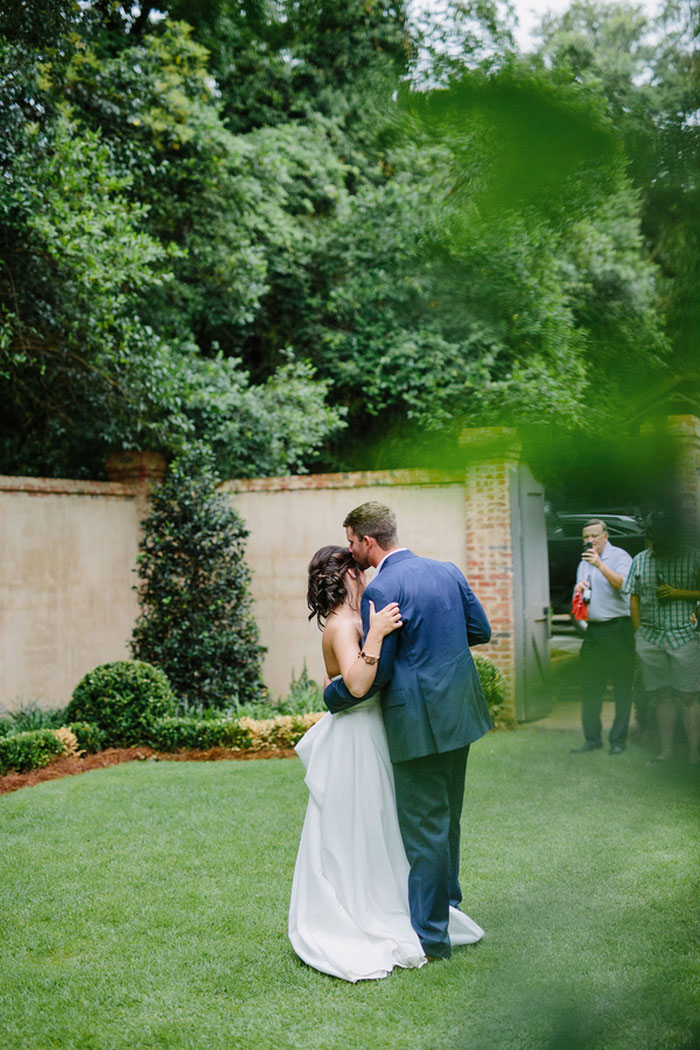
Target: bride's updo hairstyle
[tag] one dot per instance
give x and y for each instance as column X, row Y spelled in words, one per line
column 326, row 590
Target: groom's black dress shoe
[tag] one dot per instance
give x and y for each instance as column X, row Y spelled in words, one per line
column 588, row 746
column 615, row 749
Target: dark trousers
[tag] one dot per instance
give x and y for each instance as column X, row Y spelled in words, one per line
column 607, row 656
column 429, row 795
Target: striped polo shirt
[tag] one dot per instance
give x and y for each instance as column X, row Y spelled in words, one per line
column 665, row 623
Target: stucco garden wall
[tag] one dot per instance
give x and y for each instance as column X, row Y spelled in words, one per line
column 67, row 551
column 290, row 518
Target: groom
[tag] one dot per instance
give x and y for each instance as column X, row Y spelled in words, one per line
column 433, row 706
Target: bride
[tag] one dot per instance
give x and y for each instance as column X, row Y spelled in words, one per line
column 349, row 913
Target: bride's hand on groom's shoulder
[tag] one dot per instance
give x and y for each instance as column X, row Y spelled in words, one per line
column 385, row 620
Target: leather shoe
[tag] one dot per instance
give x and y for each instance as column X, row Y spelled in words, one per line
column 588, row 746
column 615, row 749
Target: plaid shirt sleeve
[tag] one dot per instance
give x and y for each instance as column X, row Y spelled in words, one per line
column 631, row 584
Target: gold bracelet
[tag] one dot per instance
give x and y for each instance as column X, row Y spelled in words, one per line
column 371, row 660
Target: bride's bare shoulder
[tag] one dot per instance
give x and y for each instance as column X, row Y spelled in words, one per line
column 341, row 630
column 337, row 625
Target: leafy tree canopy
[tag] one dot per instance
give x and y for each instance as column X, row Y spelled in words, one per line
column 122, row 276
column 647, row 75
column 244, row 222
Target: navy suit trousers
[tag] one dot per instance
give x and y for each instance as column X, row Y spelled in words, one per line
column 429, row 796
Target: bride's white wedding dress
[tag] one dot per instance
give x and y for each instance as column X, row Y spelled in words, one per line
column 349, row 913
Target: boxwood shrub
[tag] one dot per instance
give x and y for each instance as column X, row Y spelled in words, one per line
column 124, row 699
column 89, row 736
column 495, row 689
column 28, row 750
column 171, row 734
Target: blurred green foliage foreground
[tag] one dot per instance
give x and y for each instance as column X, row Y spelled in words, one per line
column 144, row 907
column 293, row 231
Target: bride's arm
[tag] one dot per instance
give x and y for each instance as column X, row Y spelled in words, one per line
column 357, row 674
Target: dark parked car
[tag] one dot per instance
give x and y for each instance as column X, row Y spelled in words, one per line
column 564, row 546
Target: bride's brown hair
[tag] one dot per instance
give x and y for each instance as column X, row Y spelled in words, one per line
column 326, row 589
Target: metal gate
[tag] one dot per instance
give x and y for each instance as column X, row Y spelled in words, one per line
column 531, row 617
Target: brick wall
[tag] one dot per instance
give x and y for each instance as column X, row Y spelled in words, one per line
column 490, row 556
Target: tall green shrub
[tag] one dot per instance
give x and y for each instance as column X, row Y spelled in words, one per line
column 196, row 621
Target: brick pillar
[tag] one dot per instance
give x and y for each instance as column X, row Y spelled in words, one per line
column 494, row 454
column 140, row 470
column 686, row 431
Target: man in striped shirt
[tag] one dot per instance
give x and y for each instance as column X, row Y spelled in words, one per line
column 664, row 588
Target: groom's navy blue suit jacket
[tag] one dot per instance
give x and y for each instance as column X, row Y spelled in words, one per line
column 432, row 698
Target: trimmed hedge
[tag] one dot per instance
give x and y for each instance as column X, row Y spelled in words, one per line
column 22, row 752
column 29, row 750
column 124, row 699
column 89, row 736
column 172, row 734
column 175, row 734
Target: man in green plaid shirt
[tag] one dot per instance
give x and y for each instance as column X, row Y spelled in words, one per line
column 664, row 587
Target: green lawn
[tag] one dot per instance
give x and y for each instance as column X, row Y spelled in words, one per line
column 144, row 906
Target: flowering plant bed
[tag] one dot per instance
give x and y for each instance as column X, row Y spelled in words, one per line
column 176, row 740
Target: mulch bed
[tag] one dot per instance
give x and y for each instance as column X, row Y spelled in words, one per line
column 68, row 766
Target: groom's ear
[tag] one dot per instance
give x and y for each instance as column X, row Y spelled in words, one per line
column 370, row 544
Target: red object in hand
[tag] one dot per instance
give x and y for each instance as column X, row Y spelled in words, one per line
column 579, row 607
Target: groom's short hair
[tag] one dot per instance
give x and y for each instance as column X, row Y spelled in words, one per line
column 376, row 520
